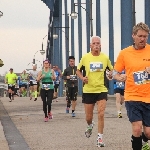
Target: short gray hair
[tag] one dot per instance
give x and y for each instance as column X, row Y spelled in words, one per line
column 95, row 37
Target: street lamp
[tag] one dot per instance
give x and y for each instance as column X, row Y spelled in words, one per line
column 55, row 35
column 28, row 69
column 74, row 14
column 1, row 14
column 1, row 63
column 42, row 51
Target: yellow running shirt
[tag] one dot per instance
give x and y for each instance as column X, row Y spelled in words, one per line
column 11, row 78
column 95, row 67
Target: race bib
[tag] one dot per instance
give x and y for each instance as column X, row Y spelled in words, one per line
column 46, row 86
column 120, row 84
column 57, row 82
column 34, row 81
column 141, row 77
column 96, row 66
column 10, row 85
column 25, row 83
column 73, row 77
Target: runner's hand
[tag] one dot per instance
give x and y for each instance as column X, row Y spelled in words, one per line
column 109, row 74
column 43, row 75
column 53, row 77
column 68, row 77
column 85, row 79
column 122, row 77
column 147, row 69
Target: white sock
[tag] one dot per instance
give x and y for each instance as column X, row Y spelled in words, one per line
column 91, row 125
column 100, row 135
column 119, row 112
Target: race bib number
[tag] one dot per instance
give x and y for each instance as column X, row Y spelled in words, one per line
column 96, row 66
column 57, row 82
column 34, row 81
column 120, row 84
column 141, row 77
column 46, row 86
column 25, row 83
column 73, row 77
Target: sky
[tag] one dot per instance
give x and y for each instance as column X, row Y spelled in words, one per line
column 24, row 24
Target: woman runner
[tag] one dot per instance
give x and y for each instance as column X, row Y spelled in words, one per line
column 47, row 88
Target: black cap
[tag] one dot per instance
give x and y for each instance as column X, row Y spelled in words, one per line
column 71, row 57
column 11, row 69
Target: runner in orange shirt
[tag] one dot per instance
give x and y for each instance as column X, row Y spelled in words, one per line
column 135, row 60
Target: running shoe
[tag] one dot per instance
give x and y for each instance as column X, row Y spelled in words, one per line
column 35, row 99
column 145, row 146
column 73, row 114
column 119, row 115
column 46, row 119
column 88, row 131
column 50, row 116
column 100, row 142
column 67, row 110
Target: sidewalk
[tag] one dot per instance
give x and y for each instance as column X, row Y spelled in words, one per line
column 4, row 144
column 62, row 132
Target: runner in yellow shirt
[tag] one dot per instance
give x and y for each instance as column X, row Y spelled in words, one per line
column 11, row 79
column 94, row 89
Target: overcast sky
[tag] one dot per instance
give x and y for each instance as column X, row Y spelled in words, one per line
column 25, row 23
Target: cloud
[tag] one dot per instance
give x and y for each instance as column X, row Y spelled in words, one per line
column 25, row 23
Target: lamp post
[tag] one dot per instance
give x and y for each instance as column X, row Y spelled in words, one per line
column 42, row 51
column 1, row 14
column 1, row 63
column 28, row 69
column 55, row 35
column 75, row 14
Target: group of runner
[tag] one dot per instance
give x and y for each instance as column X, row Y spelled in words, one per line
column 129, row 77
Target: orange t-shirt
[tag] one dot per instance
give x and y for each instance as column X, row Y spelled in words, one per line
column 137, row 85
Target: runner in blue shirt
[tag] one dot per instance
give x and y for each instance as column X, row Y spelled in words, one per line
column 57, row 81
column 119, row 91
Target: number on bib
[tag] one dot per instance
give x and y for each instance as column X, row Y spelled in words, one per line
column 96, row 66
column 34, row 81
column 46, row 86
column 141, row 77
column 120, row 84
column 57, row 82
column 73, row 77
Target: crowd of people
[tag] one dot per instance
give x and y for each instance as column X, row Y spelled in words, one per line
column 131, row 85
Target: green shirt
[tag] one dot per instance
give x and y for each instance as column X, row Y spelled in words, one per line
column 48, row 78
column 24, row 77
column 11, row 78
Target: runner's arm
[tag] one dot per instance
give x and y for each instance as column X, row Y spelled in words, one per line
column 53, row 75
column 39, row 77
